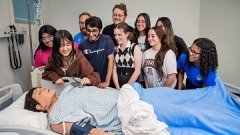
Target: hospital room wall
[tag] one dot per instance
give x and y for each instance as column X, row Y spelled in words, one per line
column 219, row 20
column 184, row 14
column 7, row 74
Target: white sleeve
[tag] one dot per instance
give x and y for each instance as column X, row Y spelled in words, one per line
column 170, row 62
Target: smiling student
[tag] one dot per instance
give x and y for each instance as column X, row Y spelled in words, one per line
column 128, row 58
column 119, row 14
column 66, row 61
column 200, row 64
column 99, row 50
column 44, row 49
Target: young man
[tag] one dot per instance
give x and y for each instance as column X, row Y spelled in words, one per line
column 82, row 35
column 99, row 50
column 119, row 14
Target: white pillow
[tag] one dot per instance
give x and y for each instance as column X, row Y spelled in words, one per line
column 15, row 114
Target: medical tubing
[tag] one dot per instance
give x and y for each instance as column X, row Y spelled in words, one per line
column 19, row 61
column 10, row 56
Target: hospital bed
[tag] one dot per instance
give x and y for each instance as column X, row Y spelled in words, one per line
column 14, row 120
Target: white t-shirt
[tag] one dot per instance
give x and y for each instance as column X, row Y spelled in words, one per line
column 141, row 42
column 169, row 67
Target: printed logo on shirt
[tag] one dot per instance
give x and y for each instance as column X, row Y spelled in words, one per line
column 88, row 51
column 199, row 78
column 148, row 63
column 149, row 71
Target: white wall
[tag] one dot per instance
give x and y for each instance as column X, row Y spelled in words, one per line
column 219, row 21
column 184, row 14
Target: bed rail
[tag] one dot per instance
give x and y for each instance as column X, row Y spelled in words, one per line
column 9, row 94
column 233, row 89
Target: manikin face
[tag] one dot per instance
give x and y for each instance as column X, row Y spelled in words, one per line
column 47, row 39
column 160, row 24
column 141, row 23
column 82, row 27
column 44, row 96
column 120, row 36
column 65, row 48
column 118, row 16
column 152, row 38
column 93, row 33
column 194, row 54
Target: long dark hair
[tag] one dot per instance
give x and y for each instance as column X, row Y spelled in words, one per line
column 167, row 24
column 59, row 36
column 44, row 29
column 159, row 57
column 147, row 20
column 208, row 55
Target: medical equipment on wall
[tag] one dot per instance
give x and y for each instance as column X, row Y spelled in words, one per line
column 38, row 14
column 14, row 40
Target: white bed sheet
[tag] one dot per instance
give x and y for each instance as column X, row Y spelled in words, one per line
column 15, row 114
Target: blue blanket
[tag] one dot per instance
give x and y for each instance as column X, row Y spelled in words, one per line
column 204, row 111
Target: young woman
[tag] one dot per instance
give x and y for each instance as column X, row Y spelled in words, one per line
column 66, row 61
column 159, row 62
column 128, row 57
column 175, row 41
column 142, row 25
column 44, row 49
column 200, row 64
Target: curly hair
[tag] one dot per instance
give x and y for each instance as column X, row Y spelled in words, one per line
column 159, row 57
column 208, row 56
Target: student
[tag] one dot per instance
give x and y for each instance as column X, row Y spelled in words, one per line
column 200, row 64
column 82, row 35
column 159, row 62
column 45, row 37
column 128, row 57
column 142, row 25
column 99, row 50
column 172, row 39
column 119, row 14
column 66, row 61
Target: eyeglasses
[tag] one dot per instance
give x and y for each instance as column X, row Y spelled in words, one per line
column 117, row 15
column 94, row 31
column 192, row 51
column 49, row 37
